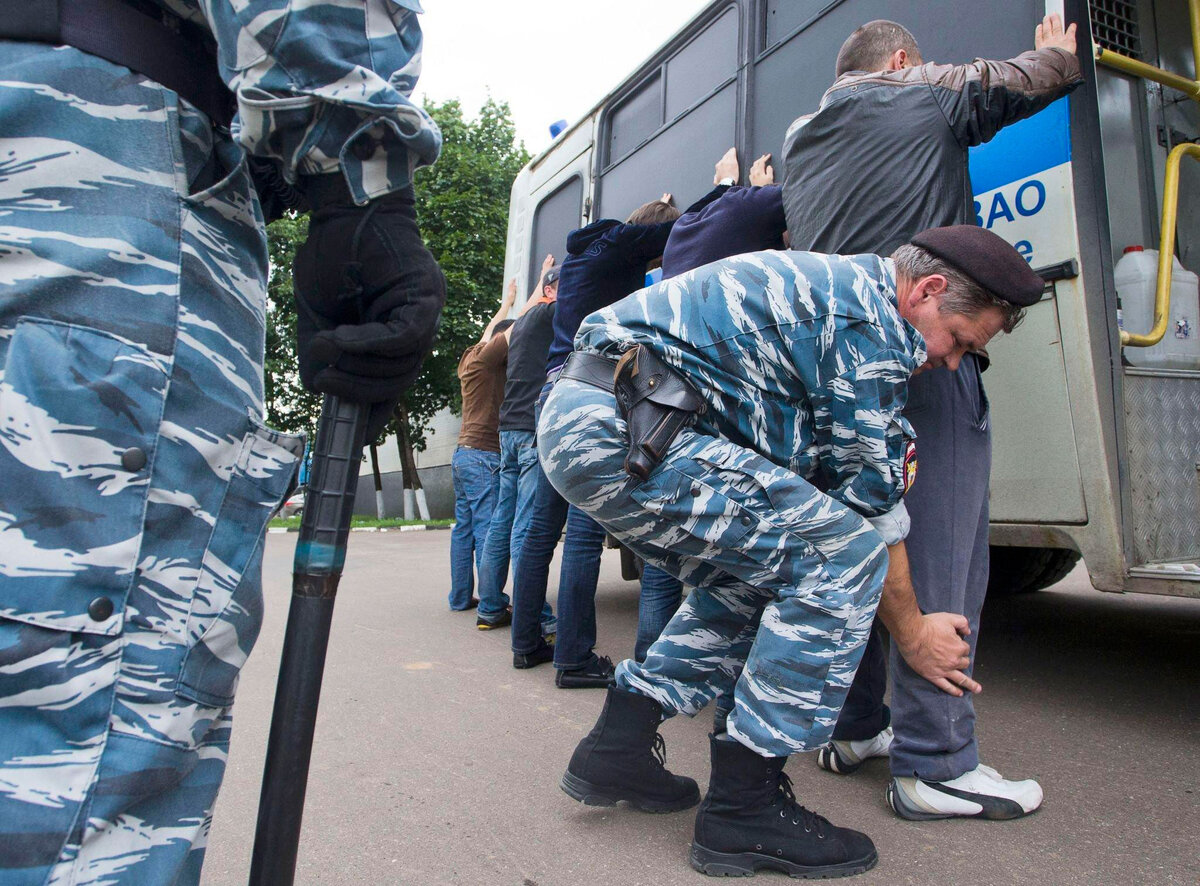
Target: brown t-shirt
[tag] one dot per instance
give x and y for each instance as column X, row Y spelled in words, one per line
column 481, row 374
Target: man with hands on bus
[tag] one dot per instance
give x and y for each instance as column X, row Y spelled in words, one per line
column 885, row 156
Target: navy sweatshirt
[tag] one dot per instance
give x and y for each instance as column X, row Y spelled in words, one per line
column 605, row 262
column 743, row 219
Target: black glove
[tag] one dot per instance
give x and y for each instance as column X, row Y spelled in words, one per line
column 368, row 299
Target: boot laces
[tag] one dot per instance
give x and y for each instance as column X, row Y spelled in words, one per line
column 660, row 751
column 786, row 797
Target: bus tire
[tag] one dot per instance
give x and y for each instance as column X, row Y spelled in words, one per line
column 1025, row 570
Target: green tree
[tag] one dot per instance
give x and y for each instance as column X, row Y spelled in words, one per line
column 462, row 206
column 290, row 407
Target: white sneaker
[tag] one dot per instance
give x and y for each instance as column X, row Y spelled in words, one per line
column 981, row 793
column 844, row 757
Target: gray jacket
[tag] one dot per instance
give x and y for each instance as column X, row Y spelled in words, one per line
column 885, row 156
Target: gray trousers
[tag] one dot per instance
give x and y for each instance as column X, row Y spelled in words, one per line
column 948, row 555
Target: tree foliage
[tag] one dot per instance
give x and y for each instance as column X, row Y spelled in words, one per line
column 462, row 206
column 290, row 407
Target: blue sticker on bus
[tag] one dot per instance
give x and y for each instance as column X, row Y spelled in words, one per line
column 1024, row 149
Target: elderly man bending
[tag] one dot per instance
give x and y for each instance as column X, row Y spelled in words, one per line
column 740, row 426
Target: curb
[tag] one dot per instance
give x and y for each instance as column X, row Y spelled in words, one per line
column 279, row 530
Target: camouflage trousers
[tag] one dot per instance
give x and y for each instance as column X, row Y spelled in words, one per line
column 136, row 476
column 786, row 578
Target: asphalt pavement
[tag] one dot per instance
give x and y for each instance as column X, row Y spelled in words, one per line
column 437, row 763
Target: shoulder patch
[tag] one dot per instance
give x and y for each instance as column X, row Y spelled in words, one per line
column 910, row 465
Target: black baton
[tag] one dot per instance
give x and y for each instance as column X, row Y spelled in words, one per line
column 317, row 568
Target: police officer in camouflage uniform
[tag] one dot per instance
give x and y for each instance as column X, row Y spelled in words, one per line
column 782, row 506
column 136, row 475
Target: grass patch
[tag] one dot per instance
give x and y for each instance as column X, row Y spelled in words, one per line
column 386, row 523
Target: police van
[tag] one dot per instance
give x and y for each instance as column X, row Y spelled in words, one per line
column 1095, row 400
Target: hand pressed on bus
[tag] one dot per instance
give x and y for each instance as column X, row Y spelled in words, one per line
column 1051, row 35
column 762, row 172
column 727, row 168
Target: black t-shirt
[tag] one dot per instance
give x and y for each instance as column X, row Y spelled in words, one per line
column 528, row 346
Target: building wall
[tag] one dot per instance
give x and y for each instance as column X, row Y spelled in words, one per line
column 433, row 466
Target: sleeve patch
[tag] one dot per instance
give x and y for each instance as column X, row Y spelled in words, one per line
column 910, row 465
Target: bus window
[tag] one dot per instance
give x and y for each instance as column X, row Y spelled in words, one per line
column 556, row 216
column 639, row 115
column 790, row 77
column 703, row 64
column 694, row 95
column 680, row 160
column 785, row 16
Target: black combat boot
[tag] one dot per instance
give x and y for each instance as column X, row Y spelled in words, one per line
column 750, row 820
column 622, row 759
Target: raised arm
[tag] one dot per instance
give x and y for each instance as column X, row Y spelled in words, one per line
column 547, row 264
column 980, row 98
column 510, row 296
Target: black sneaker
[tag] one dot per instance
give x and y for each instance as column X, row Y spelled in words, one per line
column 541, row 655
column 491, row 622
column 597, row 675
column 471, row 604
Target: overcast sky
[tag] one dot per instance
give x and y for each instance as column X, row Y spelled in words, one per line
column 549, row 59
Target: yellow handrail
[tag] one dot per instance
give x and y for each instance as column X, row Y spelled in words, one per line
column 1166, row 251
column 1190, row 88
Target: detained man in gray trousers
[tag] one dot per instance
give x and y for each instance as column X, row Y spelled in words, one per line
column 856, row 185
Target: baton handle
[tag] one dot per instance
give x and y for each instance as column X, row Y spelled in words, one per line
column 320, row 555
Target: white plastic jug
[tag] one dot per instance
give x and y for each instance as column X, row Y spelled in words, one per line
column 1136, row 276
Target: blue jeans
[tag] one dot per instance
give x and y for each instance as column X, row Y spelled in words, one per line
column 475, row 475
column 661, row 595
column 510, row 520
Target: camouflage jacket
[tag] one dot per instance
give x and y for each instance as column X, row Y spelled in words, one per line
column 324, row 86
column 803, row 358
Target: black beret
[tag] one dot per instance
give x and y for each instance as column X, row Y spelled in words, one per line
column 987, row 259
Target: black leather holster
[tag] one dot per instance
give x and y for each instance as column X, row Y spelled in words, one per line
column 656, row 403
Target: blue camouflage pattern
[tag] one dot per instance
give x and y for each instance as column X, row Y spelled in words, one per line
column 136, row 475
column 763, row 507
column 802, row 358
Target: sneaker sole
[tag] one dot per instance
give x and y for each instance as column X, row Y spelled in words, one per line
column 830, row 760
column 747, row 864
column 486, row 627
column 592, row 795
column 994, row 808
column 583, row 682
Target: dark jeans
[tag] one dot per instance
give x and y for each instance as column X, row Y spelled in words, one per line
column 661, row 595
column 579, row 571
column 948, row 556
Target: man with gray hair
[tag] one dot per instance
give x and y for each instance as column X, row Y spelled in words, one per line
column 739, row 426
column 884, row 157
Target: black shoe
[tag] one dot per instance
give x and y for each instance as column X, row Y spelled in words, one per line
column 471, row 604
column 541, row 655
column 599, row 674
column 750, row 820
column 491, row 622
column 622, row 759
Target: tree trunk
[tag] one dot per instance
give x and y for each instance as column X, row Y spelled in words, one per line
column 414, row 494
column 378, row 482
